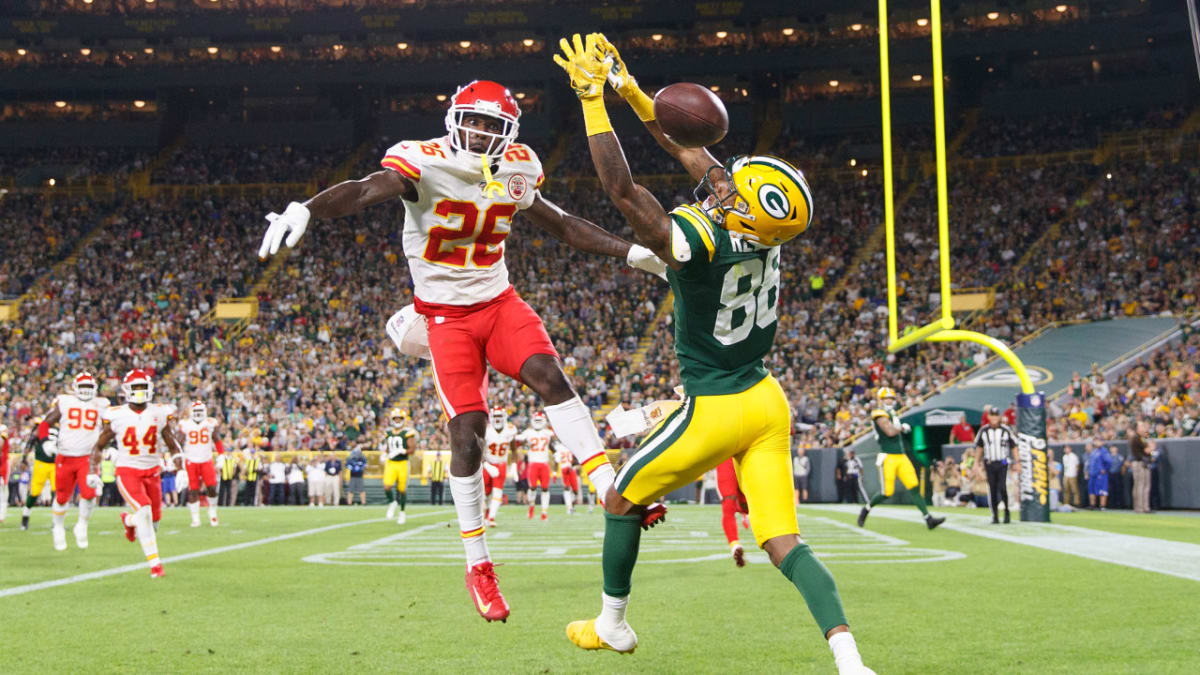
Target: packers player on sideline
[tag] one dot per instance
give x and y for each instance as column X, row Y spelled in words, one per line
column 398, row 441
column 44, row 444
column 722, row 254
column 896, row 464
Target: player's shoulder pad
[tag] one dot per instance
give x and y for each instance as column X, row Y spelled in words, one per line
column 524, row 160
column 697, row 230
column 103, row 402
column 879, row 412
column 405, row 157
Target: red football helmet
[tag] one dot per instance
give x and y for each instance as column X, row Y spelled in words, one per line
column 538, row 420
column 483, row 97
column 498, row 417
column 84, row 386
column 137, row 377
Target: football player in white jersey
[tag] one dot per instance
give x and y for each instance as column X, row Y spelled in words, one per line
column 73, row 426
column 537, row 438
column 497, row 442
column 199, row 434
column 566, row 470
column 138, row 427
column 460, row 194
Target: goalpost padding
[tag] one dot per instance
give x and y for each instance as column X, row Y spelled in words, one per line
column 1031, row 448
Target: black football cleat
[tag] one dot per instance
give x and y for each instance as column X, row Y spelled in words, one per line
column 932, row 522
column 1007, row 517
column 862, row 516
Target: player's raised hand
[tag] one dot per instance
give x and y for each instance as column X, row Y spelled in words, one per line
column 290, row 224
column 618, row 75
column 585, row 64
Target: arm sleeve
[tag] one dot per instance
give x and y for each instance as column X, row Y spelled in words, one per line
column 404, row 158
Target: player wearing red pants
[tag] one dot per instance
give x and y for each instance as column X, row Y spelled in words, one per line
column 71, row 429
column 199, row 440
column 570, row 480
column 537, row 438
column 3, row 472
column 138, row 427
column 733, row 502
column 498, row 441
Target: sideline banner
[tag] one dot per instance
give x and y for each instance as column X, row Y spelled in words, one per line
column 1031, row 446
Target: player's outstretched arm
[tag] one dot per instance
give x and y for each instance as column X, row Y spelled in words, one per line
column 343, row 199
column 584, row 235
column 171, row 437
column 106, row 437
column 586, row 70
column 696, row 161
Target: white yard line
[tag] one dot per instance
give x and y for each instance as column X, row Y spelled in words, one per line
column 1173, row 558
column 100, row 574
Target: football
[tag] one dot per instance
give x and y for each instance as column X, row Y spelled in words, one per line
column 690, row 114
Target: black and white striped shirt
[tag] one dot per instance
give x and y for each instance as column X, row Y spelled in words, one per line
column 997, row 442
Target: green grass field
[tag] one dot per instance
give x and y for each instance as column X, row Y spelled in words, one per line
column 363, row 594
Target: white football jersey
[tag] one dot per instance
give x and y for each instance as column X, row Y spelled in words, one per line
column 562, row 456
column 139, row 434
column 498, row 443
column 78, row 424
column 199, row 439
column 453, row 233
column 538, row 441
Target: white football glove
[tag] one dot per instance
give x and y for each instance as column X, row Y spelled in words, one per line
column 50, row 446
column 644, row 259
column 410, row 332
column 291, row 223
column 905, row 428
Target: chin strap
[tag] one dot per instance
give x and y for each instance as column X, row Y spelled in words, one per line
column 493, row 188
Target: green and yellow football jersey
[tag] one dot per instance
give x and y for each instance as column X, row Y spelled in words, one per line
column 726, row 303
column 892, row 445
column 395, row 443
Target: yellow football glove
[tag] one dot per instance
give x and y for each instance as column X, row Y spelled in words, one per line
column 623, row 82
column 588, row 70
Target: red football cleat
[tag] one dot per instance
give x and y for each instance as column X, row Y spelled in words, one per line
column 481, row 584
column 543, row 516
column 130, row 532
column 157, row 572
column 655, row 514
column 531, row 512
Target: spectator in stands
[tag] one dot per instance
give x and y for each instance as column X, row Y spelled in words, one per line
column 333, row 479
column 801, row 468
column 962, row 432
column 357, row 464
column 1070, row 477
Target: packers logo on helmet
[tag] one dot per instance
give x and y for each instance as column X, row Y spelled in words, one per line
column 399, row 417
column 885, row 392
column 769, row 201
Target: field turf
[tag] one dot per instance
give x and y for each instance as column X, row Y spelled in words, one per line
column 364, row 594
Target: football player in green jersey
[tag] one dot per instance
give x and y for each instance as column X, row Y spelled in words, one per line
column 722, row 254
column 889, row 432
column 399, row 440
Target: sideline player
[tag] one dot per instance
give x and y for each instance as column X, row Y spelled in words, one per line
column 570, row 480
column 43, row 441
column 3, row 472
column 733, row 502
column 896, row 464
column 73, row 425
column 199, row 433
column 722, row 254
column 498, row 441
column 537, row 438
column 138, row 426
column 398, row 441
column 460, row 194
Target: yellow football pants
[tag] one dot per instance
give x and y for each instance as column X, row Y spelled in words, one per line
column 43, row 472
column 396, row 473
column 752, row 427
column 898, row 466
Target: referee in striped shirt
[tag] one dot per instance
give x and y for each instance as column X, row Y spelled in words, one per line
column 997, row 444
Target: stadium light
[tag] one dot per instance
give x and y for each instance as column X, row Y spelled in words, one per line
column 853, row 162
column 864, row 172
column 465, row 44
column 60, row 104
column 715, row 88
column 51, row 182
column 1060, row 8
column 992, row 16
column 213, row 50
column 148, row 50
column 85, row 51
column 789, row 31
column 656, row 37
column 401, row 46
column 833, row 83
column 922, row 22
column 275, row 49
column 139, row 104
column 528, row 42
column 149, row 2
column 87, row 2
column 520, row 94
column 21, row 52
column 721, row 35
column 338, row 48
column 856, row 27
column 441, row 97
column 1108, row 176
column 917, row 78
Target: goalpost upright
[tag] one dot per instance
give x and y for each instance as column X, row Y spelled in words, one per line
column 1031, row 405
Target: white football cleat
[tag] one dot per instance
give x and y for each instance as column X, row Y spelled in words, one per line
column 196, row 522
column 81, row 533
column 392, row 510
column 60, row 538
column 213, row 521
column 400, row 519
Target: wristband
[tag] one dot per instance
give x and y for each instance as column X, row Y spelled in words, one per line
column 595, row 116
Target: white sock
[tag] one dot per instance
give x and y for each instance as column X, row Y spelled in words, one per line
column 574, row 426
column 569, row 498
column 86, row 506
column 60, row 514
column 468, row 503
column 194, row 507
column 612, row 611
column 3, row 499
column 25, row 511
column 546, row 500
column 145, row 534
column 497, row 498
column 845, row 650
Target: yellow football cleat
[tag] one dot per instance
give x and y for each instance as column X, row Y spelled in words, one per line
column 583, row 634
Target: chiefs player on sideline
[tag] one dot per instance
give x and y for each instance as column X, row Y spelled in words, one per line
column 733, row 502
column 498, row 441
column 137, row 427
column 537, row 438
column 69, row 430
column 563, row 458
column 199, row 433
column 3, row 472
column 460, row 194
